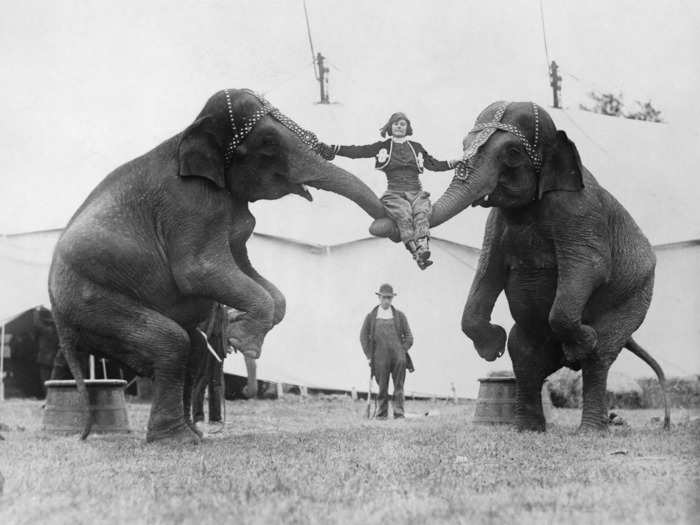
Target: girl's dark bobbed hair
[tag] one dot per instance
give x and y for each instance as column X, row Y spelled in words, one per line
column 386, row 128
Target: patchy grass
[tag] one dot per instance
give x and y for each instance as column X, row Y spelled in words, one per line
column 319, row 461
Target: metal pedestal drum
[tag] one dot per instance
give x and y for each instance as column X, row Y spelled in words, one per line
column 496, row 402
column 64, row 412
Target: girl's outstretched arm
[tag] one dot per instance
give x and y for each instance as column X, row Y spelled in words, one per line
column 352, row 152
column 432, row 164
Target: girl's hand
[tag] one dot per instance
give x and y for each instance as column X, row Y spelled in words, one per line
column 326, row 151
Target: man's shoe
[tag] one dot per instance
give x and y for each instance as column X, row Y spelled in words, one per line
column 215, row 427
column 399, row 416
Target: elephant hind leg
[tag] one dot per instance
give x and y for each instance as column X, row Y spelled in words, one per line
column 533, row 360
column 613, row 328
column 146, row 341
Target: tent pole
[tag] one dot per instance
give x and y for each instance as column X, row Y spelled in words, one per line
column 2, row 364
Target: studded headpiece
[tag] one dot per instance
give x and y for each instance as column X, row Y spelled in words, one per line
column 240, row 132
column 484, row 131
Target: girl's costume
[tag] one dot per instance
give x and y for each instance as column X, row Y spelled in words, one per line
column 402, row 160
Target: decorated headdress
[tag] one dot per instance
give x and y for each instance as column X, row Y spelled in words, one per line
column 486, row 125
column 242, row 129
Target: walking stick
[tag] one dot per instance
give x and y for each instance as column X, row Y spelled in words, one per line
column 369, row 389
column 369, row 395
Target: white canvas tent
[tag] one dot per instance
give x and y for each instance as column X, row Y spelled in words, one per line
column 321, row 257
column 329, row 289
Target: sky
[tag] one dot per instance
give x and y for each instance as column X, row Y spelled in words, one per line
column 87, row 86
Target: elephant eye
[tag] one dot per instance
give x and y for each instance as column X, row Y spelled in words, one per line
column 269, row 147
column 513, row 157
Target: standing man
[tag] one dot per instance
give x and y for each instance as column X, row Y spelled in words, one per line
column 386, row 338
column 209, row 374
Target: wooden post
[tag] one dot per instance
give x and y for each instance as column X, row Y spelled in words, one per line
column 353, row 394
column 280, row 391
column 92, row 366
column 303, row 390
column 555, row 83
column 323, row 78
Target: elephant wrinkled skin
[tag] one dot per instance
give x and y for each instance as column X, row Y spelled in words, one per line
column 576, row 269
column 163, row 237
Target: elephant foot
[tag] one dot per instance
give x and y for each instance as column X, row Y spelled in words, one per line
column 246, row 335
column 573, row 365
column 588, row 428
column 180, row 435
column 530, row 425
column 583, row 347
column 491, row 344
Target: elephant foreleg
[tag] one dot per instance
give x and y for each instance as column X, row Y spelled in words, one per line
column 489, row 281
column 209, row 270
column 533, row 360
column 240, row 254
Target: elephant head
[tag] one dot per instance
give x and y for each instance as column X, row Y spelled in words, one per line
column 512, row 156
column 242, row 143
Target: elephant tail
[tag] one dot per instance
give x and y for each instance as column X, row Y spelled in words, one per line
column 68, row 347
column 637, row 350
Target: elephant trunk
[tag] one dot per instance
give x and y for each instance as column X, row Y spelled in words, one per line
column 251, row 388
column 309, row 168
column 459, row 195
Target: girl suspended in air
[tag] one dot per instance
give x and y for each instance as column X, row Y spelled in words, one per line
column 402, row 161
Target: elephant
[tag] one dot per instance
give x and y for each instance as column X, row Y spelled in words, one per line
column 577, row 271
column 163, row 237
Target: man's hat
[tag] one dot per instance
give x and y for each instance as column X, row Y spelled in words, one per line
column 386, row 290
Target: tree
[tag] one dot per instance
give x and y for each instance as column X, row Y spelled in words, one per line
column 605, row 104
column 613, row 105
column 646, row 111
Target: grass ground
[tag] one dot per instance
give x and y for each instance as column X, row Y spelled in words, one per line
column 318, row 461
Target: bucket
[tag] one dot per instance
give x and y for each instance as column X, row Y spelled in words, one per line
column 64, row 412
column 496, row 401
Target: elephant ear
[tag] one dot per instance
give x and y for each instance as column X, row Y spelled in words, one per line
column 562, row 170
column 200, row 154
